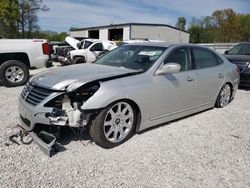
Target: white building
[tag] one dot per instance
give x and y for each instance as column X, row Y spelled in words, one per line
column 130, row 31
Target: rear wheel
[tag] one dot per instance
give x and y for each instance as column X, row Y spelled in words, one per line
column 14, row 73
column 224, row 96
column 113, row 125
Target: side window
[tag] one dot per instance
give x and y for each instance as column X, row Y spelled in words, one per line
column 87, row 44
column 204, row 58
column 219, row 60
column 180, row 56
column 97, row 47
column 235, row 50
column 245, row 50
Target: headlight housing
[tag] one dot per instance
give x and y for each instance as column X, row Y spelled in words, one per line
column 68, row 55
column 83, row 93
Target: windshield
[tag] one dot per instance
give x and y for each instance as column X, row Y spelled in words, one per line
column 86, row 44
column 240, row 49
column 132, row 57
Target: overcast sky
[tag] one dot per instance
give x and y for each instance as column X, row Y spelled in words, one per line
column 64, row 14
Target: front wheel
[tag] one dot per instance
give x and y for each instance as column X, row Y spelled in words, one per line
column 78, row 60
column 113, row 125
column 14, row 73
column 224, row 96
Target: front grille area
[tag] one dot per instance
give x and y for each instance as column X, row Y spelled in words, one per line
column 34, row 94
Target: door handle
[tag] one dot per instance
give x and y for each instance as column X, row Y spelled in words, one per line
column 190, row 78
column 221, row 75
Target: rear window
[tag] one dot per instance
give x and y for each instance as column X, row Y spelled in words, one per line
column 205, row 58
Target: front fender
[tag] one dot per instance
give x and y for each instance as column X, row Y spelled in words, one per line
column 101, row 99
column 137, row 90
column 78, row 53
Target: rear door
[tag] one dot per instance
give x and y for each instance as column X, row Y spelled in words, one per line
column 210, row 74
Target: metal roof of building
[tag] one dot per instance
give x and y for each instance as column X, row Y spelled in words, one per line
column 124, row 24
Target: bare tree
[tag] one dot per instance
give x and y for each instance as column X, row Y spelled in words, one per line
column 28, row 14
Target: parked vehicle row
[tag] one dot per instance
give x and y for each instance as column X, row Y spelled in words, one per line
column 240, row 56
column 18, row 56
column 131, row 88
column 85, row 51
column 36, row 53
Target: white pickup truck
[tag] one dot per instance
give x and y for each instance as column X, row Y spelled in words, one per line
column 17, row 56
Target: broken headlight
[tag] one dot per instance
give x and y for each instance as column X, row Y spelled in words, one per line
column 56, row 102
column 82, row 94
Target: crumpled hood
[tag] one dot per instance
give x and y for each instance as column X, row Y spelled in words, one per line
column 61, row 78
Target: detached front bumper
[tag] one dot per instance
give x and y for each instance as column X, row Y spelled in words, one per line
column 30, row 115
column 63, row 60
column 43, row 123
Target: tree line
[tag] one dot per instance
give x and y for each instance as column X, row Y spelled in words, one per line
column 19, row 19
column 222, row 26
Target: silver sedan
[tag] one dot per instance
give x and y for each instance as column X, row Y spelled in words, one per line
column 129, row 89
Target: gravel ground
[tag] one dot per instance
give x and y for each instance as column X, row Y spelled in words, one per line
column 210, row 149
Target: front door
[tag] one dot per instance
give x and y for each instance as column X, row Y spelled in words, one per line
column 94, row 52
column 174, row 93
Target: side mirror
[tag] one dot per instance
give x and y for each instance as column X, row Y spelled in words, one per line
column 168, row 68
column 226, row 52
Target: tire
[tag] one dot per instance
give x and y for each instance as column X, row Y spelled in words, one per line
column 14, row 73
column 78, row 60
column 224, row 96
column 110, row 131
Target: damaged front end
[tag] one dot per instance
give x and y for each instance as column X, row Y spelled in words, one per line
column 44, row 111
column 68, row 107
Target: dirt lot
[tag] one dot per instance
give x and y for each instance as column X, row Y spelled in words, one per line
column 210, row 149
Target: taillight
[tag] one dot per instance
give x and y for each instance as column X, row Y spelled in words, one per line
column 46, row 48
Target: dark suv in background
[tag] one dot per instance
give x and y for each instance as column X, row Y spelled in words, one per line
column 240, row 55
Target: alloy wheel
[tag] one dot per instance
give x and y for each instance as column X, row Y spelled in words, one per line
column 14, row 74
column 118, row 122
column 225, row 95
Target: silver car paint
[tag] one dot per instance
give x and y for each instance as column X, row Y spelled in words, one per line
column 160, row 98
column 179, row 97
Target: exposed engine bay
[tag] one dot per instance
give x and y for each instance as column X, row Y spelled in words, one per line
column 67, row 108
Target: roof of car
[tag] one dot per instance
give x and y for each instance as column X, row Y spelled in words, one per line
column 163, row 44
column 160, row 44
column 167, row 45
column 244, row 43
